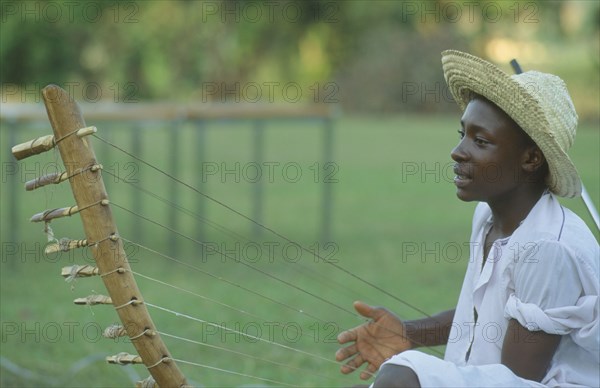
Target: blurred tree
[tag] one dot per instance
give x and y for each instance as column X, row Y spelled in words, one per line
column 382, row 55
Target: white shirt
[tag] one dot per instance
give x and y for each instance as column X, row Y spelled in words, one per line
column 546, row 276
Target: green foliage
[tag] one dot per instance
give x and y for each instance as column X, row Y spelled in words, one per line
column 370, row 49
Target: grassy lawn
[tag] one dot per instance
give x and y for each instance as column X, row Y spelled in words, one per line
column 396, row 224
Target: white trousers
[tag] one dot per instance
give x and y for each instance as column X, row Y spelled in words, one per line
column 434, row 372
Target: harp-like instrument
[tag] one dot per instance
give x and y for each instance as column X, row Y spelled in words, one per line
column 83, row 172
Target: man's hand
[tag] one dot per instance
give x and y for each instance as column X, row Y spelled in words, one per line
column 373, row 342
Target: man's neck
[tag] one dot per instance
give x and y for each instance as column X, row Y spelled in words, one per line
column 509, row 212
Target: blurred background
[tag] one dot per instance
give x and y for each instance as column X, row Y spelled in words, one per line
column 327, row 121
column 172, row 50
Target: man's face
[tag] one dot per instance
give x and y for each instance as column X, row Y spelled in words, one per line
column 489, row 155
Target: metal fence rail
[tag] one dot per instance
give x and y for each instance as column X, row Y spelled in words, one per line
column 17, row 121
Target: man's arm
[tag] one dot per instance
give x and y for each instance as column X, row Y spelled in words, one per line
column 528, row 353
column 430, row 331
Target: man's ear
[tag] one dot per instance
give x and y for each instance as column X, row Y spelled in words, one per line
column 533, row 159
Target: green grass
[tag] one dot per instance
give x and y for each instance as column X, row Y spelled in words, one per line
column 379, row 211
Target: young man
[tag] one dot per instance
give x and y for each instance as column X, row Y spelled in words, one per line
column 527, row 314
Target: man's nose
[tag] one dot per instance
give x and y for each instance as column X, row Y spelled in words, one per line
column 458, row 154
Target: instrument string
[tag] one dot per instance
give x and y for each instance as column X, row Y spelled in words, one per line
column 255, row 268
column 236, row 235
column 204, row 220
column 266, row 274
column 231, row 233
column 225, row 328
column 287, row 283
column 190, row 266
column 259, row 224
column 241, row 333
column 231, row 330
column 279, row 364
column 230, row 372
column 197, row 295
column 268, row 229
column 246, row 289
column 208, row 298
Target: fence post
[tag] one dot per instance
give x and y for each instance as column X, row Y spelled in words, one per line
column 257, row 211
column 174, row 149
column 327, row 186
column 136, row 150
column 200, row 152
column 15, row 229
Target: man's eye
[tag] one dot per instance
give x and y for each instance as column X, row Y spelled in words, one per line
column 480, row 141
column 461, row 133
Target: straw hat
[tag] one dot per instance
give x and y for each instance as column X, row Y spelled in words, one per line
column 538, row 102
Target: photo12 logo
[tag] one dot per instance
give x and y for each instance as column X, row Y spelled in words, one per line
column 269, row 172
column 270, row 92
column 69, row 11
column 469, row 11
column 31, row 173
column 53, row 332
column 269, row 252
column 269, row 331
column 90, row 92
column 269, row 11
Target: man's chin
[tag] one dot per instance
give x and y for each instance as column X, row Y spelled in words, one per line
column 465, row 196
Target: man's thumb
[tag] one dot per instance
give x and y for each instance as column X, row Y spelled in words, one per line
column 368, row 311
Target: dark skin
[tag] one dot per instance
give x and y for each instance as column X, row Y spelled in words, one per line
column 496, row 163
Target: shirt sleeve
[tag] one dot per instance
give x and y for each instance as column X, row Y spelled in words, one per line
column 547, row 290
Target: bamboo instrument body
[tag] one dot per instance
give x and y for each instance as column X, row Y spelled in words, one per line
column 102, row 235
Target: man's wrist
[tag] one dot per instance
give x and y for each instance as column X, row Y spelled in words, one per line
column 430, row 331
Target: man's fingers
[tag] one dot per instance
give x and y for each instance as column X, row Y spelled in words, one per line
column 353, row 364
column 372, row 369
column 369, row 372
column 347, row 336
column 346, row 352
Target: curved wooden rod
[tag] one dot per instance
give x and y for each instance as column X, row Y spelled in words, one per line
column 77, row 153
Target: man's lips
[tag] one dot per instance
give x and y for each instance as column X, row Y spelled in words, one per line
column 462, row 177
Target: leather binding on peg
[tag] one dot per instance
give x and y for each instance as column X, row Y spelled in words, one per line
column 124, row 359
column 56, row 178
column 45, row 143
column 93, row 300
column 79, row 271
column 65, row 245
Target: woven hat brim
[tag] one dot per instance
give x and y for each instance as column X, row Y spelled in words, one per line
column 466, row 74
